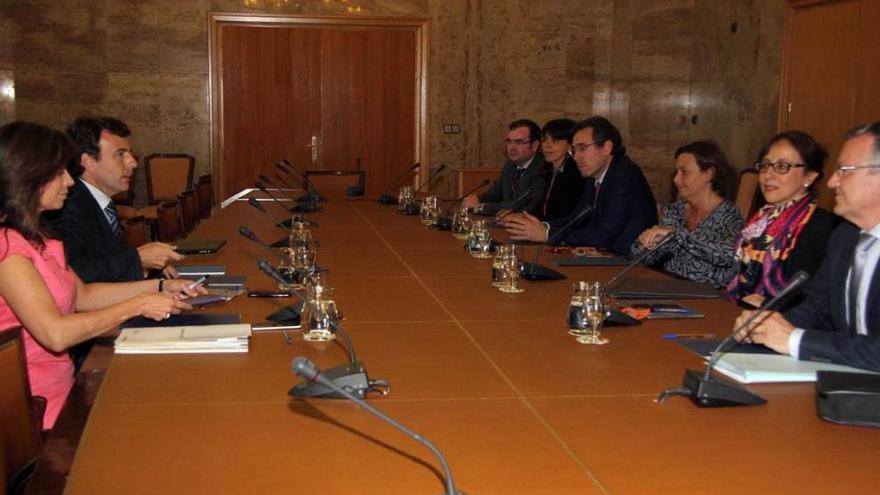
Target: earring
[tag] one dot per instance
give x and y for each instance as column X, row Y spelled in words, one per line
column 806, row 185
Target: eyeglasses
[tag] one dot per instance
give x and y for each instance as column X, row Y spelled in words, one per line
column 843, row 169
column 581, row 147
column 780, row 167
column 521, row 142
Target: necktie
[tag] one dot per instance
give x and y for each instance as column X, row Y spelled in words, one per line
column 112, row 219
column 549, row 190
column 866, row 241
column 596, row 197
column 517, row 175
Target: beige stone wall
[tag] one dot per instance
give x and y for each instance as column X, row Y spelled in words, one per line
column 648, row 65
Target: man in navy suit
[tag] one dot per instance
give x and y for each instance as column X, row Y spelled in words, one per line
column 839, row 318
column 622, row 202
column 88, row 224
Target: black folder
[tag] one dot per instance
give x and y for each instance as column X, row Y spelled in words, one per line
column 591, row 261
column 644, row 288
column 200, row 247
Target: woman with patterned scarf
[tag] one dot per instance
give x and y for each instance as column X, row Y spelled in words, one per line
column 790, row 232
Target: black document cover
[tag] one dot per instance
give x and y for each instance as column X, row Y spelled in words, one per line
column 184, row 319
column 643, row 288
column 200, row 247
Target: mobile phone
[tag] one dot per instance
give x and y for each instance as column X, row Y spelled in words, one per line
column 206, row 300
column 268, row 293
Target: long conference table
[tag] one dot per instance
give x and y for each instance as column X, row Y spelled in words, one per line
column 493, row 379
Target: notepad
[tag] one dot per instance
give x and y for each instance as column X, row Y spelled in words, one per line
column 765, row 368
column 196, row 271
column 200, row 246
column 184, row 339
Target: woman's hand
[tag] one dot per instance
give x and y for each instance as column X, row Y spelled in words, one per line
column 180, row 287
column 160, row 306
column 650, row 238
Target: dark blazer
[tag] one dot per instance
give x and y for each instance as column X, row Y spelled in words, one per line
column 812, row 244
column 822, row 313
column 563, row 192
column 91, row 249
column 625, row 208
column 502, row 194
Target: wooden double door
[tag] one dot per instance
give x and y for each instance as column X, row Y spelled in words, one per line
column 323, row 95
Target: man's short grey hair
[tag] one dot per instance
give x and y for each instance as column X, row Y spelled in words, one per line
column 872, row 129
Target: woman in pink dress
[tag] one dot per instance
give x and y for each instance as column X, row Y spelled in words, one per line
column 38, row 290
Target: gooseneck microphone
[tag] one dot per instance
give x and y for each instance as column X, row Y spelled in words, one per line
column 637, row 261
column 277, row 221
column 351, row 377
column 312, row 195
column 307, row 370
column 706, row 390
column 385, row 198
column 444, row 222
column 413, row 209
column 295, row 209
column 249, row 234
column 536, row 272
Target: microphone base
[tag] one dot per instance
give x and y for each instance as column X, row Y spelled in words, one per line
column 717, row 392
column 411, row 209
column 310, row 198
column 620, row 319
column 351, row 377
column 538, row 273
column 307, row 207
column 354, row 191
column 443, row 223
column 281, row 243
column 386, row 199
column 291, row 315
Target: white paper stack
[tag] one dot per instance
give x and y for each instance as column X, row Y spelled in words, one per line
column 770, row 368
column 195, row 339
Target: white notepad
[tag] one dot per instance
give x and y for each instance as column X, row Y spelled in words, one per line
column 770, row 368
column 194, row 339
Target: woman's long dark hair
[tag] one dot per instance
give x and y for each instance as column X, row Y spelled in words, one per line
column 30, row 156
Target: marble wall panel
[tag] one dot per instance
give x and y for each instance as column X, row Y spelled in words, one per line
column 647, row 64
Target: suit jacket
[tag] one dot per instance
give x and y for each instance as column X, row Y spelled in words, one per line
column 822, row 313
column 563, row 192
column 502, row 194
column 89, row 244
column 624, row 209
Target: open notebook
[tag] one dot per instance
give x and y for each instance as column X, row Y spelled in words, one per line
column 193, row 339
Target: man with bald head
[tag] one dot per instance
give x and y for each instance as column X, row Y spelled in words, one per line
column 839, row 318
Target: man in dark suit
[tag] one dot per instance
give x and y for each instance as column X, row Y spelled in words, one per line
column 88, row 224
column 523, row 174
column 622, row 202
column 839, row 317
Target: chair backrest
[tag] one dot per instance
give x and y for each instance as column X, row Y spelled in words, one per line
column 135, row 231
column 168, row 175
column 168, row 218
column 19, row 437
column 205, row 195
column 189, row 209
column 746, row 192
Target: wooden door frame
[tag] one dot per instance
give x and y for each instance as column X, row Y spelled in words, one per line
column 216, row 21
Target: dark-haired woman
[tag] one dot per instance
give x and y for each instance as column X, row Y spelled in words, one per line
column 702, row 224
column 790, row 232
column 38, row 290
column 564, row 182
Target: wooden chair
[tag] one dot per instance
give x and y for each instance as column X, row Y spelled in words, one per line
column 168, row 175
column 746, row 196
column 168, row 216
column 205, row 195
column 19, row 431
column 135, row 231
column 189, row 210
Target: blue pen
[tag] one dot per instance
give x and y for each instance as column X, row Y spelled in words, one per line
column 687, row 336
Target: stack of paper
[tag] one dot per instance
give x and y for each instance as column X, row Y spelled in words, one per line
column 184, row 339
column 769, row 368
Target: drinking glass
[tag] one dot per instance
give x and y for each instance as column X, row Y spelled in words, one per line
column 595, row 310
column 510, row 274
column 287, row 270
column 429, row 210
column 480, row 240
column 502, row 253
column 323, row 315
column 461, row 223
column 299, row 234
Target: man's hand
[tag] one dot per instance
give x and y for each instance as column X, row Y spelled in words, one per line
column 156, row 255
column 524, row 227
column 470, row 201
column 771, row 329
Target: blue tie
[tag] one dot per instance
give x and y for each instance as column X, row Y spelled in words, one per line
column 113, row 219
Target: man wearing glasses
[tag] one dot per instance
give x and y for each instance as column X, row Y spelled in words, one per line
column 622, row 203
column 839, row 318
column 521, row 184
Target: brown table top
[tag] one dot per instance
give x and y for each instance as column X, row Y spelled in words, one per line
column 494, row 380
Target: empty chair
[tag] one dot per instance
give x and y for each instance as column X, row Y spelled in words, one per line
column 19, row 433
column 135, row 230
column 168, row 217
column 189, row 210
column 746, row 192
column 168, row 175
column 205, row 195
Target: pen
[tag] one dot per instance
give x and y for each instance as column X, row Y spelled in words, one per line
column 197, row 282
column 684, row 336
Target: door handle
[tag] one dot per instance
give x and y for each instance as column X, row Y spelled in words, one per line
column 314, row 145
